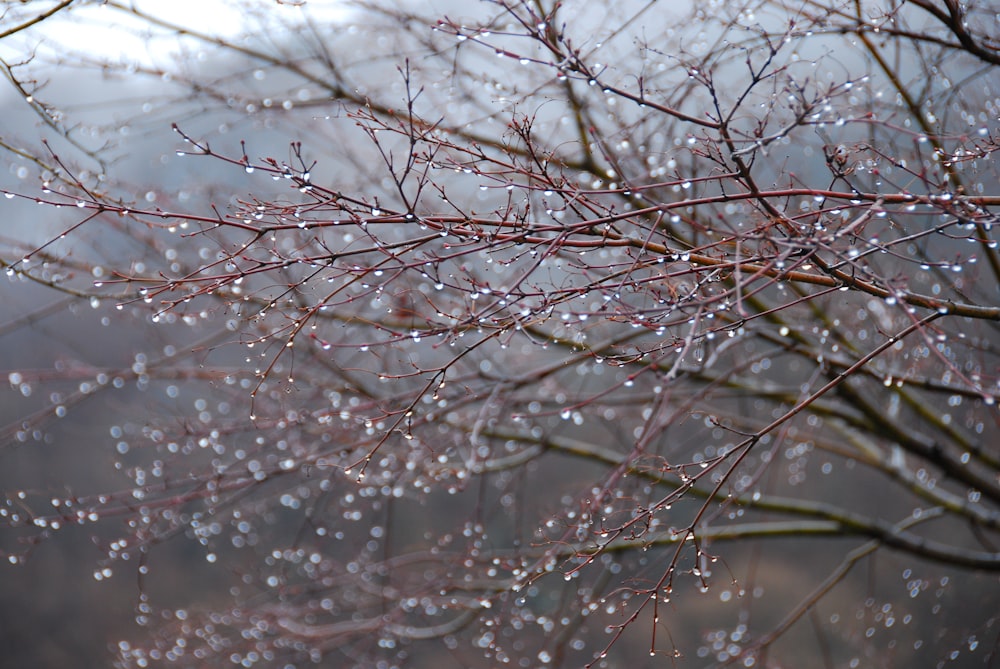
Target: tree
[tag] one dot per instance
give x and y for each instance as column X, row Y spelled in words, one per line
column 557, row 334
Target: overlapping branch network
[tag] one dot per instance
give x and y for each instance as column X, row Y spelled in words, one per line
column 665, row 274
